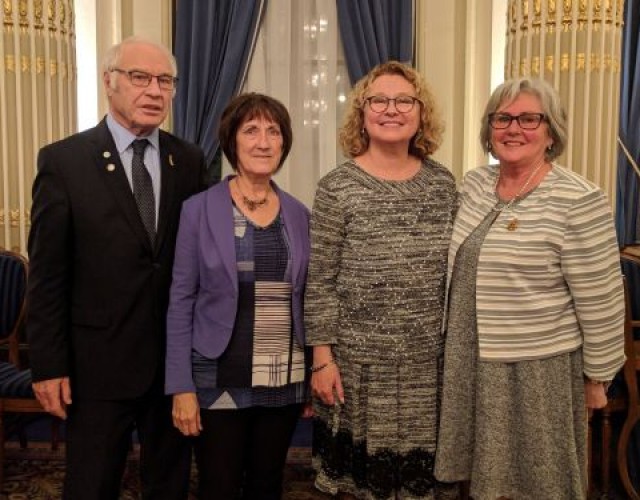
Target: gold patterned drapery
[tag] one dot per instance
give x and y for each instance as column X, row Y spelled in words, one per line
column 575, row 45
column 37, row 100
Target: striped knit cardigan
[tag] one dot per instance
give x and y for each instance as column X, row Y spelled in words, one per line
column 551, row 285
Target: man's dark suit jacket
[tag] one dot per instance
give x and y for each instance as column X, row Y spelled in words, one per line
column 98, row 291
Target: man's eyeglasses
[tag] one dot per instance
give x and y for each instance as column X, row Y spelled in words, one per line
column 527, row 121
column 143, row 79
column 380, row 103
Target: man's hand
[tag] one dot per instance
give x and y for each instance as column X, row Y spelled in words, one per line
column 54, row 395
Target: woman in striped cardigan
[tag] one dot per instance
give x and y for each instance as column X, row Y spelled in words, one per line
column 535, row 309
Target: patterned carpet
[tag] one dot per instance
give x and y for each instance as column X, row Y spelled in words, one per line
column 37, row 472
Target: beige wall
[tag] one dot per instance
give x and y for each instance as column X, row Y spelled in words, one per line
column 118, row 19
column 454, row 53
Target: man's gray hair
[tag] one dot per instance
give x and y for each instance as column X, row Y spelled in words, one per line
column 112, row 57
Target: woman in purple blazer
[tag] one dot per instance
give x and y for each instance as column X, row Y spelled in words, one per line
column 235, row 334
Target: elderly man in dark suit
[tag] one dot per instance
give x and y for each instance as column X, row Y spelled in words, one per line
column 106, row 204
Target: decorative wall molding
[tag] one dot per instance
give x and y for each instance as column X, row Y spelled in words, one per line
column 37, row 101
column 576, row 46
column 453, row 52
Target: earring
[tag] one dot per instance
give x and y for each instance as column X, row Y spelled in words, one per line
column 550, row 148
column 489, row 147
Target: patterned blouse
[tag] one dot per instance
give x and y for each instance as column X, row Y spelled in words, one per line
column 263, row 364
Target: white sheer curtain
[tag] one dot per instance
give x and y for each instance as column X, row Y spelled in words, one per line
column 298, row 60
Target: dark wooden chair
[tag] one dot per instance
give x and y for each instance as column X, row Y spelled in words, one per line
column 631, row 370
column 617, row 403
column 624, row 400
column 602, row 418
column 16, row 393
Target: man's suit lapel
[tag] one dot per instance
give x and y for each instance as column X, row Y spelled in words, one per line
column 169, row 168
column 112, row 173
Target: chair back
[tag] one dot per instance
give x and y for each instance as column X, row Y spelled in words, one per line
column 627, row 461
column 13, row 289
column 630, row 349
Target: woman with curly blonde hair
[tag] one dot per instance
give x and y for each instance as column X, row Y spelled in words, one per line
column 428, row 137
column 380, row 231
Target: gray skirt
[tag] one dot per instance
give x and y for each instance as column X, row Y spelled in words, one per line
column 519, row 433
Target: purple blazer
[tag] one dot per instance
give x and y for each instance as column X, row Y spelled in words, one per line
column 204, row 290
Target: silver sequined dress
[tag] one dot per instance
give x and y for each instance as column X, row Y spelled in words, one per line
column 375, row 292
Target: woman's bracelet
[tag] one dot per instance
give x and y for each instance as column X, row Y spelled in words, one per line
column 315, row 369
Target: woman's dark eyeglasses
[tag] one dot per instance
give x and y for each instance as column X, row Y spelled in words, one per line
column 402, row 103
column 143, row 79
column 527, row 121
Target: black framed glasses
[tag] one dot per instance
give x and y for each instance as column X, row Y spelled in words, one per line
column 143, row 79
column 527, row 121
column 402, row 103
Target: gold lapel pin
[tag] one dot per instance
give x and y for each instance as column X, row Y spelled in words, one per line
column 171, row 161
column 106, row 154
column 111, row 167
column 513, row 224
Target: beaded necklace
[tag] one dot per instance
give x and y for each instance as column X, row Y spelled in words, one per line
column 252, row 205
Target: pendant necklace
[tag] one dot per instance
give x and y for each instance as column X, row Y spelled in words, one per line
column 500, row 207
column 252, row 205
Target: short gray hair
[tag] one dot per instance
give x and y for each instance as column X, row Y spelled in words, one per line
column 112, row 57
column 551, row 107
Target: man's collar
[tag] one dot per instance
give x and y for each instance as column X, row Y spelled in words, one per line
column 123, row 137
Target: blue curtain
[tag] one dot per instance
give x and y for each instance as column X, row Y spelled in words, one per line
column 627, row 189
column 375, row 31
column 214, row 40
column 627, row 202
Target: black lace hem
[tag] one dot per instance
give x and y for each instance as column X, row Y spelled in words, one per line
column 382, row 473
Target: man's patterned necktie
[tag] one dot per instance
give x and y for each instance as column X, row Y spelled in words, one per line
column 143, row 188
